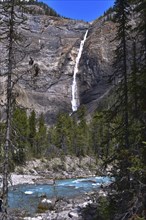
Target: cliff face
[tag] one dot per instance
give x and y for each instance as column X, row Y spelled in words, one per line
column 96, row 63
column 49, row 64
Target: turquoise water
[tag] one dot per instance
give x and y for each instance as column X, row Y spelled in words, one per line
column 27, row 196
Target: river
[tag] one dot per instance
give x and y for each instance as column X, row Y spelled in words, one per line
column 27, row 196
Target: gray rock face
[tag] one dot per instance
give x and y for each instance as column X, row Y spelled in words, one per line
column 96, row 63
column 48, row 64
column 57, row 44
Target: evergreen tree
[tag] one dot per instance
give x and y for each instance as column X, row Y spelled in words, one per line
column 120, row 108
column 61, row 135
column 2, row 132
column 41, row 137
column 12, row 56
column 32, row 132
column 19, row 136
column 82, row 135
column 127, row 114
column 9, row 106
column 141, row 9
column 121, row 67
column 141, row 28
column 100, row 135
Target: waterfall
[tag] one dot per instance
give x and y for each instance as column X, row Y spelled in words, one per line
column 75, row 98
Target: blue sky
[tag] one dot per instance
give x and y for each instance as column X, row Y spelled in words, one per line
column 86, row 10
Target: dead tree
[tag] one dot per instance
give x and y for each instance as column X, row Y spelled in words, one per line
column 11, row 40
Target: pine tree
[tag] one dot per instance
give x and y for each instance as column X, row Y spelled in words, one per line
column 19, row 136
column 120, row 109
column 100, row 135
column 32, row 132
column 141, row 9
column 41, row 137
column 82, row 134
column 127, row 114
column 61, row 137
column 9, row 107
column 2, row 132
column 11, row 41
column 121, row 60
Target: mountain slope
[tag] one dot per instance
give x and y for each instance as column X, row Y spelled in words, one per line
column 50, row 60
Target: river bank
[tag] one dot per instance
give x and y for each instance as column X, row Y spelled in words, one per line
column 61, row 168
column 45, row 172
column 59, row 207
column 83, row 207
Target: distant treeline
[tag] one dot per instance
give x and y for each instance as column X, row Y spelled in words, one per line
column 43, row 8
column 69, row 136
column 46, row 9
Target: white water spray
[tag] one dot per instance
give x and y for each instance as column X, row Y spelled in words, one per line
column 75, row 98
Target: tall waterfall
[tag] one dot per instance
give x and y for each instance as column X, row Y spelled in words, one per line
column 75, row 98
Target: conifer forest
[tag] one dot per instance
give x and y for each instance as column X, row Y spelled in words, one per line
column 110, row 129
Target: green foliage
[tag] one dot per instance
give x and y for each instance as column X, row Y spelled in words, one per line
column 138, row 218
column 126, row 116
column 2, row 132
column 100, row 135
column 32, row 131
column 37, row 135
column 19, row 136
column 61, row 132
column 82, row 133
column 136, row 165
column 70, row 134
column 29, row 136
column 41, row 137
column 44, row 8
column 105, row 209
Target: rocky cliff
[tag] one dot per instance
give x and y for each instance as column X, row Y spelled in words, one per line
column 49, row 64
column 96, row 63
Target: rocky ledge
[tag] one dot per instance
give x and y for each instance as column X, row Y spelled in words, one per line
column 60, row 168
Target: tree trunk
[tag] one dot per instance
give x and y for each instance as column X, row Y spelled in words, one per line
column 8, row 112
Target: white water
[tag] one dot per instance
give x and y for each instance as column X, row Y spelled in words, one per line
column 28, row 192
column 75, row 99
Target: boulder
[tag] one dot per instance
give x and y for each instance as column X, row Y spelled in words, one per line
column 73, row 214
column 45, row 204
